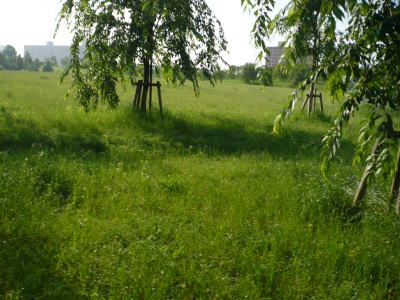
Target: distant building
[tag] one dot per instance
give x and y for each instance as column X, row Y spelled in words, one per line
column 275, row 56
column 49, row 50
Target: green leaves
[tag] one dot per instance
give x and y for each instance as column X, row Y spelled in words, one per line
column 261, row 10
column 361, row 65
column 112, row 38
column 285, row 114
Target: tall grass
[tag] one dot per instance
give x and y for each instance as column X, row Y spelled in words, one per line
column 205, row 203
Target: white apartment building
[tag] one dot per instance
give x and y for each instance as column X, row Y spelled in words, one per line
column 275, row 55
column 49, row 50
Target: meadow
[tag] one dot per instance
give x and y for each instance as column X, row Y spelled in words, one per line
column 205, row 203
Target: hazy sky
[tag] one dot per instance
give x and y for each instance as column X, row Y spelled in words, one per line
column 28, row 22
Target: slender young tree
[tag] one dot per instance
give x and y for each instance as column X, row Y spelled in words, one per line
column 310, row 37
column 123, row 37
column 366, row 70
column 27, row 61
column 19, row 63
column 363, row 70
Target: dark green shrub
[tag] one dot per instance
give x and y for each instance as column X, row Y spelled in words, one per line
column 265, row 76
column 249, row 73
column 47, row 66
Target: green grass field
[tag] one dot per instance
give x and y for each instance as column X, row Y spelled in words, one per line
column 205, row 203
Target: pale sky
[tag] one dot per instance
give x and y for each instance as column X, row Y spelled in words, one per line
column 28, row 22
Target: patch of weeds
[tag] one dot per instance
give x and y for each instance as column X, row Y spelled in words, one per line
column 56, row 183
column 172, row 185
column 330, row 199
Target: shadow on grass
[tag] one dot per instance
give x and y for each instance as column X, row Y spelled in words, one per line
column 215, row 134
column 22, row 134
column 209, row 133
column 29, row 270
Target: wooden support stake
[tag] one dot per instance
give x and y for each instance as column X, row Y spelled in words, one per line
column 315, row 101
column 159, row 97
column 140, row 87
column 320, row 99
column 310, row 104
column 362, row 187
column 305, row 102
column 135, row 97
column 137, row 94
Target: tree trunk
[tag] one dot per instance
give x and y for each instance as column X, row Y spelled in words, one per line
column 147, row 66
column 159, row 97
column 394, row 190
column 151, row 84
column 362, row 187
column 311, row 100
column 146, row 82
column 320, row 99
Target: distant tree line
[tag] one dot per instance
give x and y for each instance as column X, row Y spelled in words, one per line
column 250, row 73
column 10, row 60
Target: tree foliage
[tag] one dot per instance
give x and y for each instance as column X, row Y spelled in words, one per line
column 47, row 66
column 233, row 72
column 363, row 71
column 53, row 61
column 249, row 73
column 309, row 34
column 9, row 51
column 9, row 60
column 181, row 36
column 65, row 61
column 265, row 76
column 2, row 61
column 299, row 74
column 27, row 61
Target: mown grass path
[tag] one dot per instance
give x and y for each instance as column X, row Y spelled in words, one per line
column 205, row 203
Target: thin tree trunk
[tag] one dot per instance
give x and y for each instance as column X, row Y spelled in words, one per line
column 135, row 98
column 312, row 99
column 146, row 81
column 320, row 99
column 159, row 97
column 140, row 88
column 394, row 190
column 305, row 102
column 151, row 84
column 362, row 187
column 147, row 65
column 315, row 98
